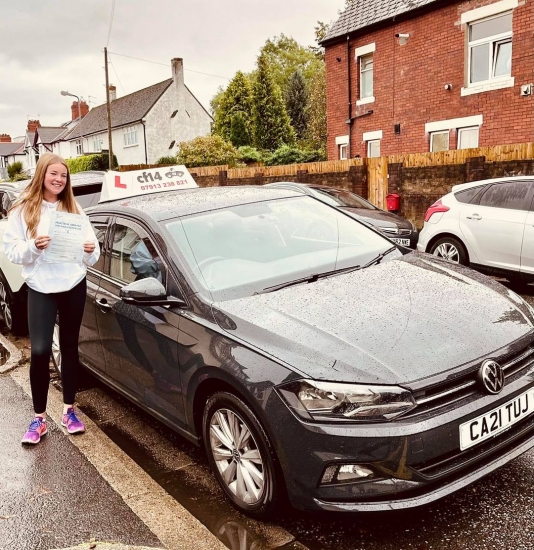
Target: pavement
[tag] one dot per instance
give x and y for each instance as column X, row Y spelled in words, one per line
column 78, row 492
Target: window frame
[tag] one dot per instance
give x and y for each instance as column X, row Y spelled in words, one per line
column 439, row 132
column 343, row 147
column 371, row 142
column 467, row 128
column 97, row 144
column 130, row 137
column 367, row 71
column 79, row 148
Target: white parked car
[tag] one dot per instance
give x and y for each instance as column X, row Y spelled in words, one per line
column 488, row 225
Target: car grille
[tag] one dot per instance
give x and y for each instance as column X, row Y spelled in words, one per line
column 396, row 231
column 442, row 395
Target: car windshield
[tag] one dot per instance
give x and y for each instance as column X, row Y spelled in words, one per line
column 339, row 197
column 243, row 250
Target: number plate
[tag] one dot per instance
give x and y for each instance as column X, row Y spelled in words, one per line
column 403, row 242
column 496, row 421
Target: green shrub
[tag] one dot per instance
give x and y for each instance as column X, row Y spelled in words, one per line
column 99, row 161
column 207, row 151
column 248, row 154
column 15, row 169
column 166, row 160
column 293, row 155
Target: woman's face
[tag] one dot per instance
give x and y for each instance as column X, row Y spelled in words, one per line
column 54, row 181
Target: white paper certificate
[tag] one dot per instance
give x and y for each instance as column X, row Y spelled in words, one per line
column 67, row 232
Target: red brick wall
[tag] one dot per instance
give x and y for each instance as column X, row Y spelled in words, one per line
column 409, row 83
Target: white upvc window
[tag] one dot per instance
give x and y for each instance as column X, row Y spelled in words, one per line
column 97, row 143
column 490, row 48
column 343, row 151
column 439, row 141
column 78, row 143
column 130, row 136
column 468, row 137
column 366, row 76
column 373, row 148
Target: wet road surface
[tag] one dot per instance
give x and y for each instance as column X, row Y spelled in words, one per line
column 495, row 513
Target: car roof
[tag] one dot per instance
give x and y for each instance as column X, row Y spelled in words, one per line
column 470, row 184
column 182, row 202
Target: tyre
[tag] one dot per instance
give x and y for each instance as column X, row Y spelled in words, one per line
column 56, row 351
column 240, row 455
column 15, row 315
column 450, row 248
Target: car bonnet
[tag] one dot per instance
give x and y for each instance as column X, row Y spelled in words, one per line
column 393, row 323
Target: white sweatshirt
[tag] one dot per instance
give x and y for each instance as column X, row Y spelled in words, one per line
column 44, row 276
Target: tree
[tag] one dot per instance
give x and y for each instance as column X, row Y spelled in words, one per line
column 207, row 151
column 296, row 96
column 237, row 98
column 316, row 115
column 239, row 131
column 272, row 127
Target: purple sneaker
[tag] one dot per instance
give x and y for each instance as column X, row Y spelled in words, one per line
column 72, row 423
column 36, row 430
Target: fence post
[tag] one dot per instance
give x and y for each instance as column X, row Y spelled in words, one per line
column 475, row 168
column 223, row 178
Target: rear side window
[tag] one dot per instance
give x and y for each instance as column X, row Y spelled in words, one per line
column 87, row 195
column 513, row 195
column 469, row 195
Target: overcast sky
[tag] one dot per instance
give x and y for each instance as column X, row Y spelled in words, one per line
column 53, row 45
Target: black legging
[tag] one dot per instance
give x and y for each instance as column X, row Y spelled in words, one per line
column 42, row 311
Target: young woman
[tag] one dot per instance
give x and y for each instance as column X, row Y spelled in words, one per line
column 53, row 288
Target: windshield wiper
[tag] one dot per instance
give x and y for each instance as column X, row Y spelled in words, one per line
column 311, row 278
column 379, row 258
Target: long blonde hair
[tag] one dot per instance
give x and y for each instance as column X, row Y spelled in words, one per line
column 31, row 199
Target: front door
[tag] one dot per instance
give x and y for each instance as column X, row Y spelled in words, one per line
column 140, row 343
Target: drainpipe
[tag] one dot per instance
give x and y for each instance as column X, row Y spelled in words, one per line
column 144, row 136
column 349, row 95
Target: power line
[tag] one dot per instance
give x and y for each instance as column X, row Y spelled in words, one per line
column 166, row 65
column 111, row 22
column 115, row 71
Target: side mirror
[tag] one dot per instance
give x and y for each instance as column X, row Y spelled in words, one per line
column 148, row 292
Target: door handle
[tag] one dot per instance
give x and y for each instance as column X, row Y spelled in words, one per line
column 474, row 217
column 103, row 304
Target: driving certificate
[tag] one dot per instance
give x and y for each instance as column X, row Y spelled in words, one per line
column 67, row 232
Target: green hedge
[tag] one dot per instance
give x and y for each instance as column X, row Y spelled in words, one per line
column 91, row 162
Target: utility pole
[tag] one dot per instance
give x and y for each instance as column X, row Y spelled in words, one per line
column 108, row 107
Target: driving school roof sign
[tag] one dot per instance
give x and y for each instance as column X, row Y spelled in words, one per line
column 119, row 185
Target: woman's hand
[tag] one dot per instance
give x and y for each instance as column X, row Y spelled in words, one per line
column 42, row 241
column 89, row 247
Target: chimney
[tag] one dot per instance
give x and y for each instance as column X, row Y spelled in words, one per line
column 112, row 93
column 178, row 72
column 33, row 125
column 84, row 108
column 74, row 109
column 5, row 138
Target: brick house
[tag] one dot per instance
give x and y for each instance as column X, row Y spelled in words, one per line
column 407, row 76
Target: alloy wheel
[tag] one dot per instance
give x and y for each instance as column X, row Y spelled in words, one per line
column 56, row 351
column 5, row 307
column 237, row 456
column 447, row 251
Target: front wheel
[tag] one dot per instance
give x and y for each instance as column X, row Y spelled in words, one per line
column 240, row 455
column 450, row 248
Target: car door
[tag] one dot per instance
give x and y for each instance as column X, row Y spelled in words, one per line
column 140, row 343
column 527, row 250
column 494, row 227
column 89, row 345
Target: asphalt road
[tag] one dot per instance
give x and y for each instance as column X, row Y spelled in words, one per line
column 495, row 513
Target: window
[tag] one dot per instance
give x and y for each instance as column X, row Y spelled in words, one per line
column 439, row 141
column 97, row 143
column 468, row 196
column 468, row 138
column 79, row 149
column 490, row 48
column 366, row 76
column 513, row 195
column 130, row 136
column 373, row 148
column 343, row 151
column 132, row 257
column 100, row 228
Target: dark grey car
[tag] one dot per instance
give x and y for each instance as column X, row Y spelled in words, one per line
column 398, row 229
column 338, row 370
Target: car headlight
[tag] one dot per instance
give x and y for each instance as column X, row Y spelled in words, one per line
column 332, row 401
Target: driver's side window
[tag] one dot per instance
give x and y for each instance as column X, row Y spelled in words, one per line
column 133, row 257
